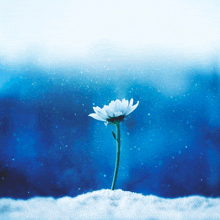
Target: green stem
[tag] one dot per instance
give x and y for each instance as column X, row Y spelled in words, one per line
column 117, row 155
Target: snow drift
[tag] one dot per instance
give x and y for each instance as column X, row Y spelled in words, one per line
column 108, row 204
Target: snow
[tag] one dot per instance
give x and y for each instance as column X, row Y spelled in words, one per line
column 108, row 204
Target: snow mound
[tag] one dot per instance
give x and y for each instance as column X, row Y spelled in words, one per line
column 108, row 204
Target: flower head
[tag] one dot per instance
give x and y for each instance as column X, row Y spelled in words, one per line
column 115, row 112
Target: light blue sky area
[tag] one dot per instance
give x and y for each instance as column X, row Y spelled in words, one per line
column 64, row 29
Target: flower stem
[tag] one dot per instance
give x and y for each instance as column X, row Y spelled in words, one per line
column 117, row 155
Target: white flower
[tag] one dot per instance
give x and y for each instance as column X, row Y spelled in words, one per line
column 115, row 112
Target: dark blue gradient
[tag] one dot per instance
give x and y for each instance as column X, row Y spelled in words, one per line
column 50, row 147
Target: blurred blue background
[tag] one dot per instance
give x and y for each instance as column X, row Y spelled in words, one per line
column 49, row 145
column 58, row 60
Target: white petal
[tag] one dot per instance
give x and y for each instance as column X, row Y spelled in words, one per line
column 108, row 111
column 112, row 106
column 124, row 106
column 131, row 102
column 124, row 102
column 118, row 106
column 132, row 108
column 117, row 113
column 100, row 112
column 112, row 103
column 97, row 117
column 129, row 107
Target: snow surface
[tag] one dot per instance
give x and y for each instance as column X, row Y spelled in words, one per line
column 108, row 204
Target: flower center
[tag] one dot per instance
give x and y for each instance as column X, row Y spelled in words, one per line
column 116, row 120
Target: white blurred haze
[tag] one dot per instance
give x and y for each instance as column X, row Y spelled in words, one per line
column 70, row 27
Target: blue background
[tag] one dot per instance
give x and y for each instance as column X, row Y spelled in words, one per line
column 50, row 147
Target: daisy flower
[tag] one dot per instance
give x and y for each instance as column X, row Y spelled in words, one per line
column 115, row 112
